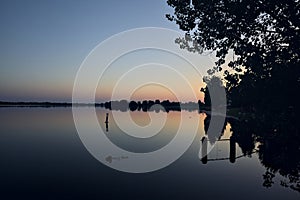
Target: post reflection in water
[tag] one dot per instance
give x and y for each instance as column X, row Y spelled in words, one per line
column 232, row 150
column 106, row 122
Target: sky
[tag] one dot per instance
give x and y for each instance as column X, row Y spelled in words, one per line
column 44, row 42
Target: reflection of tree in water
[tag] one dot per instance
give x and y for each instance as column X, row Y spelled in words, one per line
column 244, row 136
column 279, row 144
column 214, row 134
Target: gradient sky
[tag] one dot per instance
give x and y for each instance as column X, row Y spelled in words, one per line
column 43, row 42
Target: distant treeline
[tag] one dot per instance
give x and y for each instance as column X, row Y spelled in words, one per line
column 149, row 105
column 44, row 104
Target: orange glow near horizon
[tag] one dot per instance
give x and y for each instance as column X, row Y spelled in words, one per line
column 154, row 92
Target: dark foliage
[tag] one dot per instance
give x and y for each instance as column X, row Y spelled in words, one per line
column 264, row 36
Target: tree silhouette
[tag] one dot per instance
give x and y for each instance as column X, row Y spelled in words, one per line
column 263, row 35
column 213, row 86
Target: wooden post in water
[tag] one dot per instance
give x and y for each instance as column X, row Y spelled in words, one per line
column 232, row 150
column 204, row 150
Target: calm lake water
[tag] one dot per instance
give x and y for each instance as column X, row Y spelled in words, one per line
column 42, row 157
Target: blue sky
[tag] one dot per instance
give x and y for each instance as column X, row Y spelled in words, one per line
column 43, row 42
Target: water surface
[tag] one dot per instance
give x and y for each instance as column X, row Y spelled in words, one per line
column 42, row 157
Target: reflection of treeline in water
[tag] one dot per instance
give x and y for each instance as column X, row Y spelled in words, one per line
column 150, row 105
